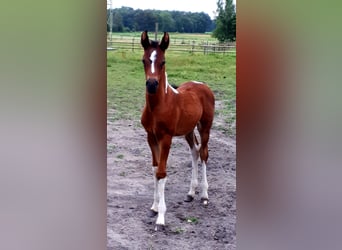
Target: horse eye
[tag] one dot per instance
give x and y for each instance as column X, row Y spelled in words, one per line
column 162, row 63
column 143, row 61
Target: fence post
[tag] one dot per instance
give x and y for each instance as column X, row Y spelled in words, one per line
column 133, row 44
column 156, row 32
column 206, row 48
column 193, row 46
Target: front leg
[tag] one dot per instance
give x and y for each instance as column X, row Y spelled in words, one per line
column 164, row 147
column 194, row 174
column 154, row 208
column 153, row 143
column 161, row 205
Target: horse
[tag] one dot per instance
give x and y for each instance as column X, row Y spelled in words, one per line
column 170, row 112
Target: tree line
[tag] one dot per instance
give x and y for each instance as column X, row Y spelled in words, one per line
column 225, row 21
column 126, row 19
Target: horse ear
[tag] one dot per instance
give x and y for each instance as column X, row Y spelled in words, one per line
column 165, row 41
column 145, row 42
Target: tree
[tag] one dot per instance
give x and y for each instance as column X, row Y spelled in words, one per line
column 128, row 19
column 145, row 19
column 127, row 14
column 166, row 22
column 117, row 22
column 225, row 21
column 200, row 22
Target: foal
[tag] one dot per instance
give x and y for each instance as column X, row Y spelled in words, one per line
column 172, row 112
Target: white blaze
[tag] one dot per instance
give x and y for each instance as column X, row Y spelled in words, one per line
column 153, row 59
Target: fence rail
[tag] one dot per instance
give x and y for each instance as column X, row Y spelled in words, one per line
column 204, row 47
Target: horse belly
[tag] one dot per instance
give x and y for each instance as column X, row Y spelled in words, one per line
column 187, row 122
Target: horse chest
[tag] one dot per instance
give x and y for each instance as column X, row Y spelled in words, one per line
column 157, row 123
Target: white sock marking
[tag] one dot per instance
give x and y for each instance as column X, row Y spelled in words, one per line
column 194, row 171
column 155, row 196
column 153, row 59
column 204, row 181
column 161, row 206
column 197, row 146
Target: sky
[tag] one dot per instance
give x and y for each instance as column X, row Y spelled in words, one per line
column 207, row 6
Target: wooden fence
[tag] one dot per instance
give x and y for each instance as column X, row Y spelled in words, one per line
column 180, row 45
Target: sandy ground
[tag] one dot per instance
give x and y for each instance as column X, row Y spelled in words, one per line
column 188, row 225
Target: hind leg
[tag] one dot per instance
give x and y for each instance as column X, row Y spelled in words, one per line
column 194, row 148
column 204, row 157
column 204, row 184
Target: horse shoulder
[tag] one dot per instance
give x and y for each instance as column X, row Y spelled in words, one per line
column 202, row 90
column 147, row 120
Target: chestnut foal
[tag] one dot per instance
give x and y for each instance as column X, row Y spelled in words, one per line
column 172, row 112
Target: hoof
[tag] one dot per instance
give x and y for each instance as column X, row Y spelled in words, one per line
column 205, row 201
column 159, row 228
column 188, row 198
column 152, row 213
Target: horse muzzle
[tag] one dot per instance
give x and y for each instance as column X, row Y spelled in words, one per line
column 151, row 86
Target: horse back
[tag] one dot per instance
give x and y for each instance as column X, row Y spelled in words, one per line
column 202, row 91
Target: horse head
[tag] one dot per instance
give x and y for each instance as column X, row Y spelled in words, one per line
column 154, row 61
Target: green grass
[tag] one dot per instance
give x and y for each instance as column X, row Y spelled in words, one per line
column 192, row 220
column 126, row 84
column 178, row 230
column 120, row 156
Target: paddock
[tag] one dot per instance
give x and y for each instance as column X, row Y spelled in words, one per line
column 129, row 181
column 130, row 192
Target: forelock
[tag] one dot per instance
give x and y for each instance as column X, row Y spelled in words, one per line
column 154, row 44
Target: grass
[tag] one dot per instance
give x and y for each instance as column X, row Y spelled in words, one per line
column 120, row 156
column 126, row 84
column 192, row 220
column 178, row 230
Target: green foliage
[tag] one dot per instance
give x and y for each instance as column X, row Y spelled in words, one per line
column 126, row 18
column 225, row 22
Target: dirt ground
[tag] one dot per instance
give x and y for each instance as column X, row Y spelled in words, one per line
column 188, row 225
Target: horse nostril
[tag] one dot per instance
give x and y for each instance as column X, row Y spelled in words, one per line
column 151, row 82
column 151, row 85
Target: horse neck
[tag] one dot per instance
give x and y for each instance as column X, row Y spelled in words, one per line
column 159, row 98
